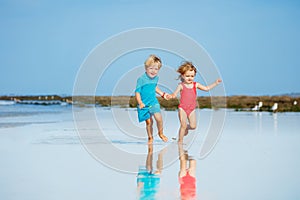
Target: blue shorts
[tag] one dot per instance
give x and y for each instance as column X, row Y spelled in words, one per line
column 146, row 112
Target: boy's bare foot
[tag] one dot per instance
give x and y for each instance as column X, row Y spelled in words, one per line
column 157, row 172
column 163, row 137
column 150, row 140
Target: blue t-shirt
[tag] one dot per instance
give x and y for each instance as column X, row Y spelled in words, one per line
column 146, row 86
column 150, row 183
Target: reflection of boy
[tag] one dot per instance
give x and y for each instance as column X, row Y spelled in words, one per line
column 148, row 180
column 187, row 175
column 148, row 183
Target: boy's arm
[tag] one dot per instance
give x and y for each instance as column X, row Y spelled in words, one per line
column 158, row 91
column 139, row 100
column 209, row 87
column 164, row 95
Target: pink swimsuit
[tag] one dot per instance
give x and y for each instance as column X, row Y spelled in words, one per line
column 188, row 186
column 188, row 97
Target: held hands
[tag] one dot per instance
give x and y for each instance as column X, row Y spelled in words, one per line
column 166, row 96
column 169, row 96
column 172, row 96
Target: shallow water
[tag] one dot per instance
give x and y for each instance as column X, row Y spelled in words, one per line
column 42, row 157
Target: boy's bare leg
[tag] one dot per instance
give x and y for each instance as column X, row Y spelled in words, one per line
column 159, row 123
column 149, row 160
column 149, row 129
column 159, row 163
column 183, row 125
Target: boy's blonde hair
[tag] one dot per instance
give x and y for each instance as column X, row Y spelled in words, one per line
column 186, row 66
column 152, row 59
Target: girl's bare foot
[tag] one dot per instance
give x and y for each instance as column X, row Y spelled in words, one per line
column 163, row 137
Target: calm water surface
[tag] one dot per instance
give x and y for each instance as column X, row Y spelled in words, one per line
column 42, row 157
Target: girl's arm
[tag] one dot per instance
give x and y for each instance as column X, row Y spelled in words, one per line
column 178, row 89
column 209, row 87
column 139, row 100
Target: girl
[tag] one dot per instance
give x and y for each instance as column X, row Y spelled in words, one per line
column 188, row 97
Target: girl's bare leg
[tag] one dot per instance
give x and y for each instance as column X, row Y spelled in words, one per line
column 192, row 120
column 192, row 167
column 183, row 161
column 183, row 125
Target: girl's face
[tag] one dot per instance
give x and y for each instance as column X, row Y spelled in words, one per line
column 188, row 77
column 152, row 71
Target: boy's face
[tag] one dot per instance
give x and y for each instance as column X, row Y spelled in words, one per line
column 152, row 70
column 189, row 76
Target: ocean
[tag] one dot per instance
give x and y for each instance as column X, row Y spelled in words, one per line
column 86, row 152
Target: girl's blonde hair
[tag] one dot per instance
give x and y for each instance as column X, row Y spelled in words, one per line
column 186, row 66
column 153, row 59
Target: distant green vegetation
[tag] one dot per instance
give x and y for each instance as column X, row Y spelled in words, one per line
column 238, row 103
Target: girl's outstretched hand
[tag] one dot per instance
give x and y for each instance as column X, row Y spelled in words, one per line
column 218, row 81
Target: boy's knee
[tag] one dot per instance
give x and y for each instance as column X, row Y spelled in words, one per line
column 149, row 122
column 159, row 122
column 148, row 125
column 158, row 117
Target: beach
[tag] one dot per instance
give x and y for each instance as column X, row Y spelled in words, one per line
column 44, row 155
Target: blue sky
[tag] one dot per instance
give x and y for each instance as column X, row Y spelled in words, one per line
column 255, row 44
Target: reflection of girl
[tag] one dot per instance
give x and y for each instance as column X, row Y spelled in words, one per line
column 187, row 175
column 147, row 179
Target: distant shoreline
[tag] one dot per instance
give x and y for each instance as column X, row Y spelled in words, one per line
column 284, row 103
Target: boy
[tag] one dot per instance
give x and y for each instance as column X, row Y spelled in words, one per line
column 145, row 94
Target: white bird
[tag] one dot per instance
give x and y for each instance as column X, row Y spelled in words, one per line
column 260, row 104
column 255, row 108
column 295, row 103
column 274, row 107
